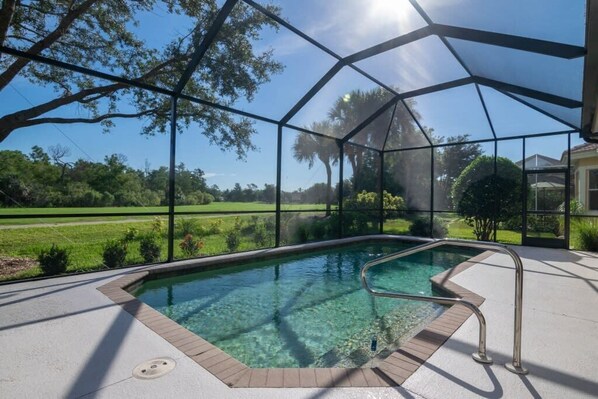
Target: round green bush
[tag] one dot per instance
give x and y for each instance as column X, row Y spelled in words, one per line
column 149, row 249
column 114, row 254
column 54, row 261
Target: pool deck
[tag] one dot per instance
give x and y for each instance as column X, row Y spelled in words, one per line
column 62, row 338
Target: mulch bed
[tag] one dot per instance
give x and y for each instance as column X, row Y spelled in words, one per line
column 9, row 266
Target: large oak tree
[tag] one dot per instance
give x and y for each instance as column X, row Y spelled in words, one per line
column 107, row 35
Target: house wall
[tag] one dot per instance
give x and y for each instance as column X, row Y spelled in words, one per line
column 583, row 166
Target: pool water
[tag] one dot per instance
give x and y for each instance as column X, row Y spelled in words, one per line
column 308, row 310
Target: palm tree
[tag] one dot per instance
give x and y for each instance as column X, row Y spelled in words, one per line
column 350, row 110
column 308, row 147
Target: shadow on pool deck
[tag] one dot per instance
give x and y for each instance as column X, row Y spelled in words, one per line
column 536, row 369
column 93, row 373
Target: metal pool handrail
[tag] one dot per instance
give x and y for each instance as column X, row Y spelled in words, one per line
column 481, row 355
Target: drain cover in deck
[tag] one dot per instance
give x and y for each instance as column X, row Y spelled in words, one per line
column 154, row 368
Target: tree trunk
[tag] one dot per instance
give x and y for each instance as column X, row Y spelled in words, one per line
column 328, row 187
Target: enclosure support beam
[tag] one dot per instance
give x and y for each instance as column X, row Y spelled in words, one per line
column 312, row 92
column 540, row 110
column 278, row 183
column 496, row 210
column 381, row 191
column 171, row 177
column 432, row 191
column 369, row 119
column 203, row 47
column 341, row 157
column 553, row 49
column 523, row 194
column 567, row 231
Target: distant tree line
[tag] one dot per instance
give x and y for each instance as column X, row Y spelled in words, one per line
column 47, row 179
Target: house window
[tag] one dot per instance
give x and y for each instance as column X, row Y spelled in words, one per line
column 593, row 190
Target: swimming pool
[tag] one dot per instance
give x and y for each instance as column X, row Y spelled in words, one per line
column 306, row 310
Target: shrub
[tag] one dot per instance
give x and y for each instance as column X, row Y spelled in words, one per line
column 233, row 240
column 114, row 253
column 513, row 223
column 207, row 199
column 54, row 261
column 302, row 233
column 158, row 225
column 190, row 246
column 369, row 200
column 545, row 224
column 587, row 235
column 357, row 223
column 215, row 226
column 482, row 197
column 270, row 223
column 319, row 229
column 421, row 228
column 186, row 226
column 149, row 249
column 238, row 223
column 260, row 235
column 130, row 234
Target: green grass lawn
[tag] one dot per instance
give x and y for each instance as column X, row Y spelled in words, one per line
column 213, row 207
column 86, row 241
column 457, row 228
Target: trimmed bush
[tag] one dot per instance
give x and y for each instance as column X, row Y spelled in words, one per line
column 421, row 228
column 149, row 249
column 114, row 254
column 233, row 240
column 53, row 261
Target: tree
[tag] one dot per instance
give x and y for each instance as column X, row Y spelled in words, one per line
column 450, row 164
column 89, row 33
column 308, row 147
column 268, row 194
column 405, row 174
column 346, row 113
column 58, row 153
column 483, row 197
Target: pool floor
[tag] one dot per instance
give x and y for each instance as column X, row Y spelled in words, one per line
column 308, row 310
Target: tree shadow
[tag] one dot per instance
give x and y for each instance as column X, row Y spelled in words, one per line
column 92, row 375
column 68, row 286
column 61, row 316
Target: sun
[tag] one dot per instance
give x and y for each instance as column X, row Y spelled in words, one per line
column 398, row 11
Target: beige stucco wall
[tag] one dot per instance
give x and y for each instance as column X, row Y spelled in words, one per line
column 593, row 161
column 582, row 167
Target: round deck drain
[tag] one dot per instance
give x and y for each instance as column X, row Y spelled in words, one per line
column 154, row 368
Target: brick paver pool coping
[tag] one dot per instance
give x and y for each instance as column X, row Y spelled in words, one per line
column 392, row 371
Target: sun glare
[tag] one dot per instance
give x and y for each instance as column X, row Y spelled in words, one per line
column 395, row 11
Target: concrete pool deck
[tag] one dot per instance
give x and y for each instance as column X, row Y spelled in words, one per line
column 63, row 338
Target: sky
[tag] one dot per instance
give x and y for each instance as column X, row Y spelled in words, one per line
column 353, row 28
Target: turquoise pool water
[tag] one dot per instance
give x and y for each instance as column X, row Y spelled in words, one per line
column 308, row 310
